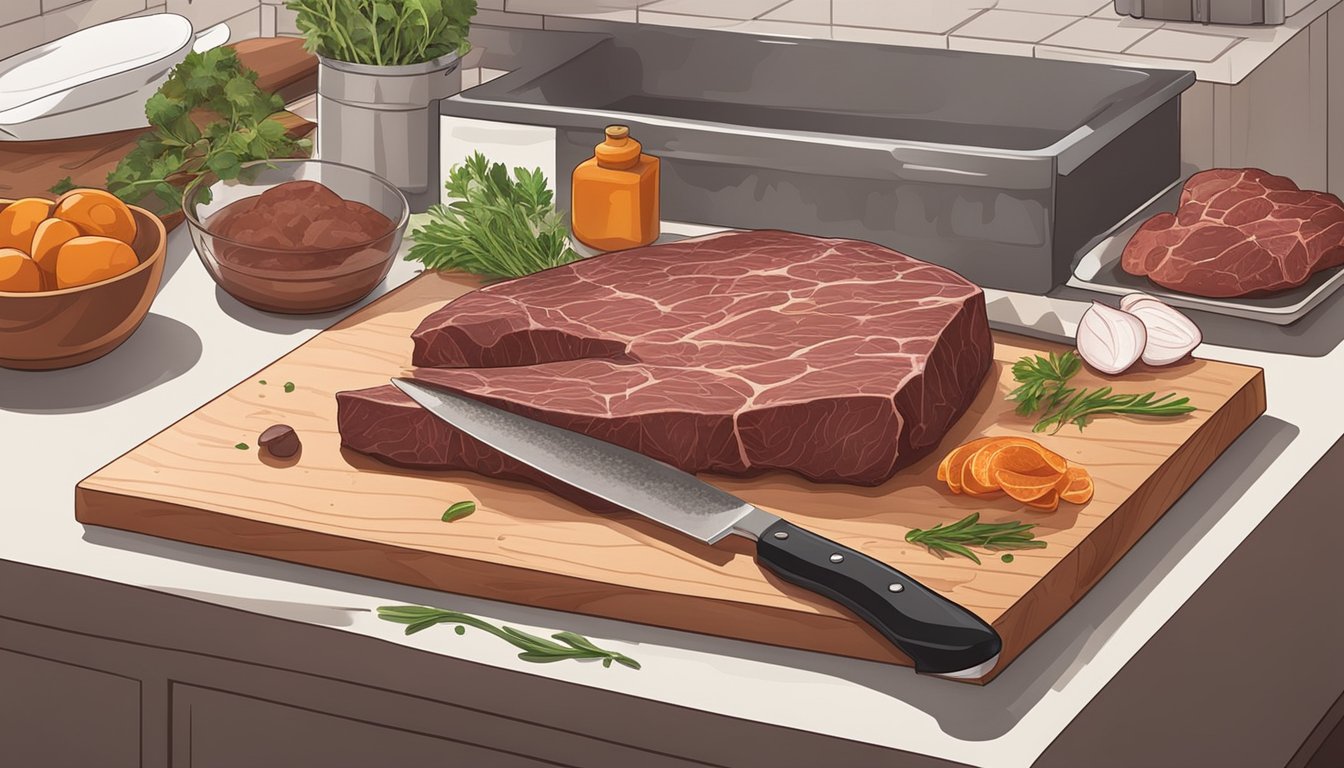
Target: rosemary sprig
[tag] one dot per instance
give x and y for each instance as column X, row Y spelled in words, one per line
column 533, row 648
column 1089, row 403
column 967, row 532
column 1043, row 388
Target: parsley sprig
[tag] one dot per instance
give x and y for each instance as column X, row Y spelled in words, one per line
column 500, row 225
column 967, row 532
column 1043, row 389
column 177, row 150
column 384, row 32
column 533, row 648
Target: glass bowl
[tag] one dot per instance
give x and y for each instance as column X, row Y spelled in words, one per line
column 293, row 278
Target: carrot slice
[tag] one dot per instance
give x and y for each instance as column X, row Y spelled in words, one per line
column 980, row 465
column 1023, row 459
column 1025, row 488
column 949, row 470
column 1080, row 486
column 1047, row 503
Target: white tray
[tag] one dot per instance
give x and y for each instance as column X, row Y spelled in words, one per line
column 1099, row 271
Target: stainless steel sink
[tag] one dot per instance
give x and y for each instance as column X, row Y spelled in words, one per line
column 999, row 167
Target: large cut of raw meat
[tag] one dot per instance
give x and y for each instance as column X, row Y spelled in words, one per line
column 840, row 360
column 1239, row 233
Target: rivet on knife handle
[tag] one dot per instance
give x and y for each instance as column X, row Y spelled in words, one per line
column 940, row 636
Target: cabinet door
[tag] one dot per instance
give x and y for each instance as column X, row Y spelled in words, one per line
column 215, row 729
column 55, row 715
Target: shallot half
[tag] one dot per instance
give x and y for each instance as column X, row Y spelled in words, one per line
column 1109, row 339
column 1171, row 335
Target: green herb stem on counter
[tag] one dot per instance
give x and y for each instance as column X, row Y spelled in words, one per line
column 968, row 532
column 533, row 648
column 1043, row 390
column 177, row 150
column 500, row 225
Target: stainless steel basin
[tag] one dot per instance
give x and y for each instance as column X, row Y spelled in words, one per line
column 999, row 167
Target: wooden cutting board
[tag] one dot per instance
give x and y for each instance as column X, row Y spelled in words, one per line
column 340, row 510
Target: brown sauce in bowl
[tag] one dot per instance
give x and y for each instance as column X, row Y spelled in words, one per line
column 299, row 246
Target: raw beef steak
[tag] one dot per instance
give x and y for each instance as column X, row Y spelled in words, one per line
column 1239, row 233
column 840, row 360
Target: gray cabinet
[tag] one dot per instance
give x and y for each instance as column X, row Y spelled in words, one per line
column 216, row 729
column 58, row 715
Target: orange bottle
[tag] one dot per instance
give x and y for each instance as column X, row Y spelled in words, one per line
column 615, row 195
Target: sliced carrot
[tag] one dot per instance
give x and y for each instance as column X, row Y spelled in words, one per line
column 1025, row 488
column 1080, row 486
column 1022, row 459
column 1047, row 503
column 980, row 465
column 949, row 470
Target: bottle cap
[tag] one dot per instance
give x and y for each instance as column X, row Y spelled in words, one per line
column 618, row 150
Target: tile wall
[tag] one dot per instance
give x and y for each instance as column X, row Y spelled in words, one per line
column 26, row 23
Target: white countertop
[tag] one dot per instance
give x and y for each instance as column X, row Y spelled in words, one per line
column 61, row 426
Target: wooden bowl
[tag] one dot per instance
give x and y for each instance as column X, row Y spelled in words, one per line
column 58, row 329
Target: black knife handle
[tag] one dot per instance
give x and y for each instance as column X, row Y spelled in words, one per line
column 939, row 635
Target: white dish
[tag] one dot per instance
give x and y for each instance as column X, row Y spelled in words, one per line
column 99, row 77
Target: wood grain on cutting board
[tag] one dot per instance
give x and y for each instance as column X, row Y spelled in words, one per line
column 341, row 510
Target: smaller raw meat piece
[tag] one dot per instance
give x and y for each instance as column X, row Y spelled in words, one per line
column 1239, row 233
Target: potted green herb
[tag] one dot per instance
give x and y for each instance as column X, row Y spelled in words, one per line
column 383, row 67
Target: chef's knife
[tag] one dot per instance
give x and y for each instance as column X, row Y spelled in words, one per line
column 940, row 636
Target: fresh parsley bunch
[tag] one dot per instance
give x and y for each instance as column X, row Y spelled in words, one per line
column 176, row 150
column 384, row 32
column 500, row 225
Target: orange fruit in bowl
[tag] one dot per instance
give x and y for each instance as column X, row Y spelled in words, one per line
column 19, row 220
column 96, row 213
column 87, row 259
column 50, row 235
column 18, row 273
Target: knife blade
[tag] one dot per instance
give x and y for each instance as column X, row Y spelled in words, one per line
column 939, row 636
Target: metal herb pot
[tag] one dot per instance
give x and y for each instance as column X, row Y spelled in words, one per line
column 385, row 119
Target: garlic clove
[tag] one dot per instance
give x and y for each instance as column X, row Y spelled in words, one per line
column 1171, row 335
column 1110, row 340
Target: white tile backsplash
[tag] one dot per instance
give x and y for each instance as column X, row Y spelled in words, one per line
column 737, row 9
column 204, row 13
column 936, row 16
column 1098, row 34
column 805, row 11
column 1014, row 26
column 17, row 10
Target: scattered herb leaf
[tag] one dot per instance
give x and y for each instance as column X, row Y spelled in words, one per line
column 384, row 32
column 459, row 629
column 533, row 648
column 62, row 186
column 968, row 532
column 498, row 226
column 458, row 511
column 289, row 386
column 262, row 382
column 177, row 150
column 1007, row 558
column 1043, row 389
column 241, row 446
